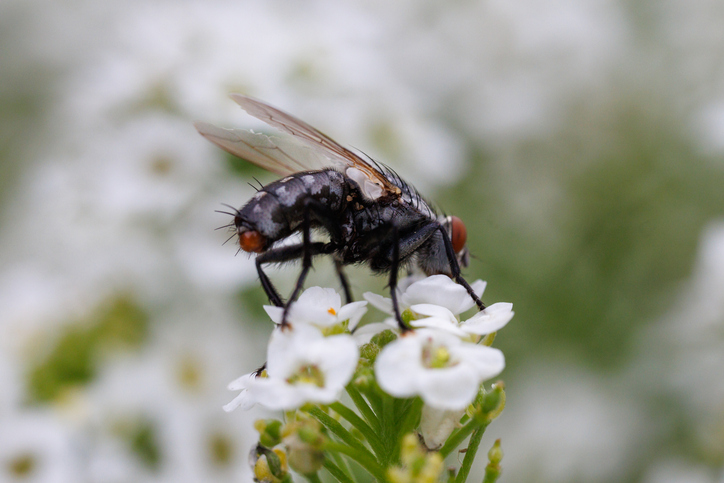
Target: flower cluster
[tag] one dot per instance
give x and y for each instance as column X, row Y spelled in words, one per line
column 428, row 378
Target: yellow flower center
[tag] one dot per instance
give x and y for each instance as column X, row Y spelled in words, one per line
column 436, row 357
column 308, row 375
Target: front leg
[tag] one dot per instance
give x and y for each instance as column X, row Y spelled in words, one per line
column 455, row 268
column 308, row 249
column 343, row 280
column 280, row 255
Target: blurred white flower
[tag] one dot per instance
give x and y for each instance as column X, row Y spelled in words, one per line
column 36, row 447
column 445, row 371
column 167, row 395
column 321, row 307
column 302, row 366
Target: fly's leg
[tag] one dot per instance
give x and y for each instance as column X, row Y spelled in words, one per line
column 343, row 280
column 393, row 278
column 455, row 268
column 280, row 255
column 306, row 250
column 306, row 264
column 269, row 289
column 322, row 214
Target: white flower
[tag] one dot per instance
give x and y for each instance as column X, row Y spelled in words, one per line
column 443, row 370
column 302, row 366
column 437, row 301
column 490, row 320
column 321, row 307
column 436, row 290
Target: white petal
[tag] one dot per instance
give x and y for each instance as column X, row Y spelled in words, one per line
column 437, row 424
column 486, row 361
column 276, row 394
column 438, row 290
column 324, row 298
column 439, row 324
column 275, row 313
column 245, row 398
column 490, row 320
column 301, row 314
column 431, row 310
column 479, row 287
column 237, row 401
column 240, row 383
column 450, row 387
column 379, row 302
column 399, row 365
column 309, row 313
column 365, row 333
column 286, row 351
column 403, row 284
column 352, row 312
column 338, row 360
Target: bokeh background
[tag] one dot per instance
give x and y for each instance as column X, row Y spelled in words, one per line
column 582, row 142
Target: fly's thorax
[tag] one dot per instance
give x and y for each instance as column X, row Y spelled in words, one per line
column 431, row 257
column 278, row 209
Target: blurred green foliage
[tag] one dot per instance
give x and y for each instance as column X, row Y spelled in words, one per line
column 141, row 436
column 602, row 255
column 72, row 360
column 246, row 170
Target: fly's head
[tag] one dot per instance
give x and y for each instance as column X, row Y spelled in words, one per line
column 250, row 240
column 458, row 236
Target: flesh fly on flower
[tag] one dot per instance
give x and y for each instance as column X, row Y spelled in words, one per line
column 371, row 215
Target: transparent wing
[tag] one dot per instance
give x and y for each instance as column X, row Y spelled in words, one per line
column 278, row 155
column 283, row 157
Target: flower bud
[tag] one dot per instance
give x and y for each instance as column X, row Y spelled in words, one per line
column 493, row 469
column 304, row 440
column 488, row 404
column 364, row 379
column 437, row 424
column 495, row 455
column 383, row 338
column 369, row 351
column 269, row 466
column 269, row 432
column 418, row 465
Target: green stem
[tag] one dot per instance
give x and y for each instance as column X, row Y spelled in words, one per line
column 470, row 455
column 411, row 416
column 339, row 474
column 458, row 436
column 364, row 458
column 363, row 407
column 313, row 477
column 374, row 397
column 334, row 426
column 359, row 423
column 491, row 475
column 341, row 462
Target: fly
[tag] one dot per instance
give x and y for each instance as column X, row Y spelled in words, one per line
column 371, row 215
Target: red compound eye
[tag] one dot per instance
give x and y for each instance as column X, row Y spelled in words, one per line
column 458, row 233
column 252, row 241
